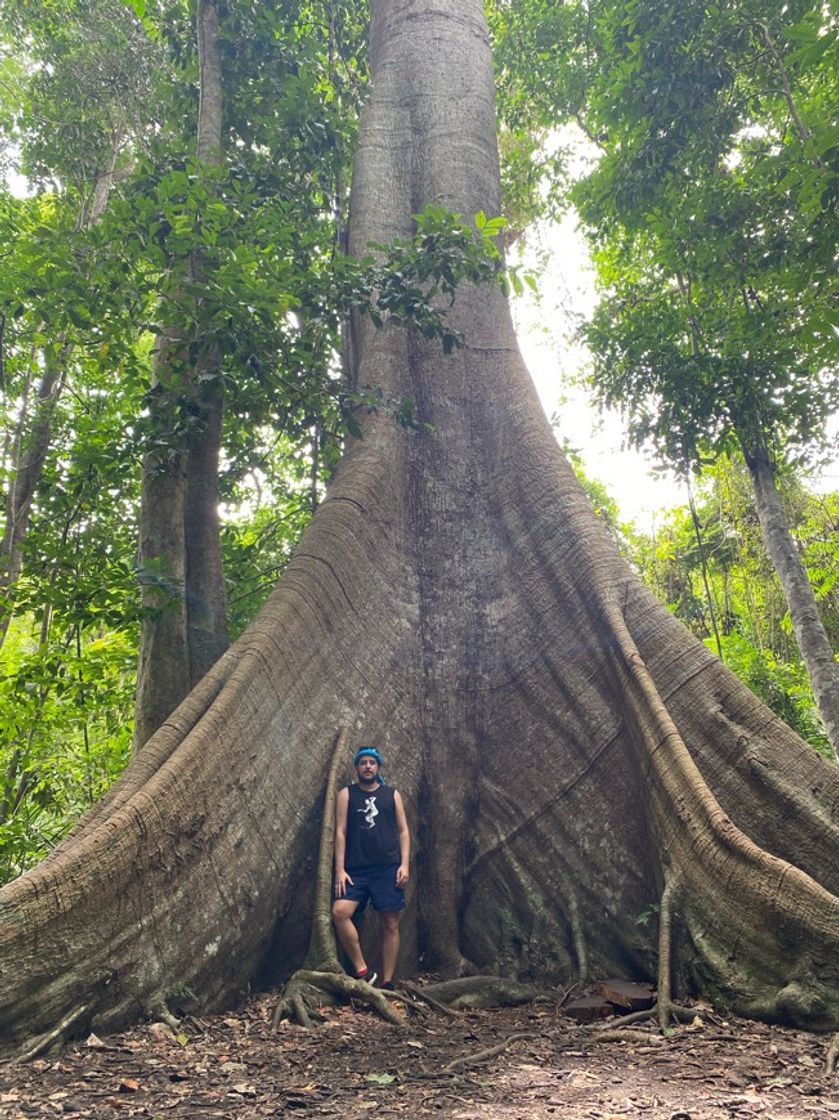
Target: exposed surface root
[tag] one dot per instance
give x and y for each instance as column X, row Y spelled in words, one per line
column 475, row 1059
column 623, row 1021
column 665, row 923
column 675, row 1011
column 310, row 989
column 485, row 991
column 412, row 1002
column 832, row 1059
column 488, row 1052
column 55, row 1037
column 625, row 1036
column 422, row 994
column 160, row 1011
column 306, row 991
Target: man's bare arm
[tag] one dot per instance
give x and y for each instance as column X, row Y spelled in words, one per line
column 403, row 871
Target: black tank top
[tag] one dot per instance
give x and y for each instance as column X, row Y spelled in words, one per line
column 372, row 836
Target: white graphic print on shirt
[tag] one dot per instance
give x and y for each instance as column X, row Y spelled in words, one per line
column 370, row 812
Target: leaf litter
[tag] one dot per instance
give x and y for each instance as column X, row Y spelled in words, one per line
column 352, row 1064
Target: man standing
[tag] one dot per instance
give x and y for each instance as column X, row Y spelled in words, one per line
column 372, row 854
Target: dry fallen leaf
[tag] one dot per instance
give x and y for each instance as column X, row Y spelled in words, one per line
column 129, row 1085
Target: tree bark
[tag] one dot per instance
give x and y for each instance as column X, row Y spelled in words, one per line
column 810, row 633
column 185, row 630
column 563, row 744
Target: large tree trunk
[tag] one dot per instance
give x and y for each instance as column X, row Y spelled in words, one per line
column 185, row 630
column 810, row 633
column 565, row 747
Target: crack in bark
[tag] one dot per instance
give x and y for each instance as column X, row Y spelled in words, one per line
column 331, row 569
column 344, row 498
column 536, row 816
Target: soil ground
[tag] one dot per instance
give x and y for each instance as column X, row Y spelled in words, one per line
column 352, row 1064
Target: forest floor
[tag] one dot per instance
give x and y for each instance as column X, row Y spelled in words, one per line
column 353, row 1064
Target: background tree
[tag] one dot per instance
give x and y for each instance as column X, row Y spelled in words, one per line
column 186, row 631
column 82, row 78
column 453, row 594
column 76, row 82
column 712, row 215
column 742, row 591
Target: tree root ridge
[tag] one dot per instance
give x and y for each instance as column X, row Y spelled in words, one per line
column 665, row 921
column 52, row 1038
column 159, row 1010
column 674, row 1011
column 483, row 992
column 307, row 991
column 606, row 1035
column 831, row 1060
column 422, row 995
column 467, row 1060
column 724, row 879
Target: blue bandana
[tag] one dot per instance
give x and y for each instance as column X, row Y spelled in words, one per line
column 370, row 752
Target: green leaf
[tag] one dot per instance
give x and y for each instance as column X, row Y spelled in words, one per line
column 353, row 427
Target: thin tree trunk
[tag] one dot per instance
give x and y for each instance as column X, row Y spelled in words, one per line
column 31, row 447
column 32, row 451
column 206, row 595
column 163, row 669
column 185, row 630
column 709, row 599
column 564, row 746
column 810, row 633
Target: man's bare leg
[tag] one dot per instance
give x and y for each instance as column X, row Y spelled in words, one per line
column 390, row 943
column 342, row 915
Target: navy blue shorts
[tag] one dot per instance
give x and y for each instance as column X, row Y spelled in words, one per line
column 376, row 882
